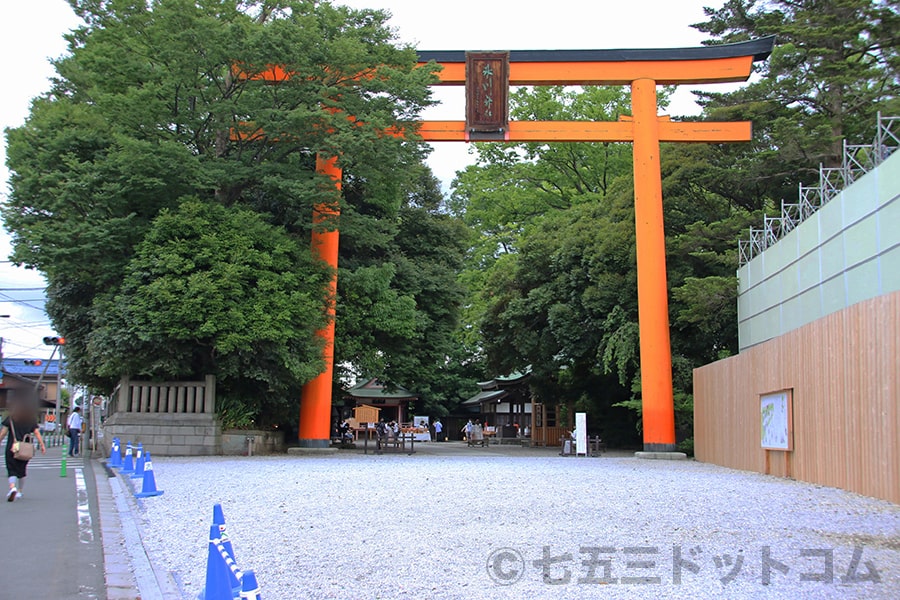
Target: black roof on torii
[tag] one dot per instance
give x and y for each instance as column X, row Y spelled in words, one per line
column 759, row 48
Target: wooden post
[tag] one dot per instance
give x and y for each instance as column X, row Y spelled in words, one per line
column 653, row 305
column 315, row 403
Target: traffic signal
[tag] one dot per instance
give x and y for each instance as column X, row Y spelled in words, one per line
column 55, row 341
column 34, row 363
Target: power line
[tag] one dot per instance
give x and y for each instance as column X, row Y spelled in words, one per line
column 23, row 302
column 8, row 341
column 27, row 326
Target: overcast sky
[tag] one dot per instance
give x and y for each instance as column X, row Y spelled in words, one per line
column 31, row 33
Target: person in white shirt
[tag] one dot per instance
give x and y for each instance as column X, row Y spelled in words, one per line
column 438, row 428
column 74, row 424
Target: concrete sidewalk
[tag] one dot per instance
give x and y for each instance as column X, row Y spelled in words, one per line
column 77, row 537
column 52, row 541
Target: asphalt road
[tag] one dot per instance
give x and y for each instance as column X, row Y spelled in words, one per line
column 52, row 547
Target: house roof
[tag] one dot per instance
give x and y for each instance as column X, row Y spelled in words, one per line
column 18, row 366
column 374, row 389
column 485, row 396
column 505, row 381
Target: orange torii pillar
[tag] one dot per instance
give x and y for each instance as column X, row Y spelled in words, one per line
column 657, row 401
column 315, row 402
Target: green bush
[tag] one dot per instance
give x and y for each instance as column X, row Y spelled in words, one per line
column 687, row 446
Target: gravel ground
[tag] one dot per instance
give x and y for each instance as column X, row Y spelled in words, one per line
column 478, row 526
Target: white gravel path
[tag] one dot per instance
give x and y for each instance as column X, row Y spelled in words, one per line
column 478, row 526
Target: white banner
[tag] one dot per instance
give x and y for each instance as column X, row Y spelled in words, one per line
column 581, row 445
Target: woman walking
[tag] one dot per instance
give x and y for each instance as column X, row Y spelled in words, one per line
column 20, row 422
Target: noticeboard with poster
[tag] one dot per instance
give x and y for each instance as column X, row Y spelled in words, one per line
column 776, row 420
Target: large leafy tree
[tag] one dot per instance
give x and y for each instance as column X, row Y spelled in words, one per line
column 160, row 112
column 513, row 185
column 551, row 281
column 215, row 289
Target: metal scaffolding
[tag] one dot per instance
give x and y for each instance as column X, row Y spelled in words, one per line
column 858, row 159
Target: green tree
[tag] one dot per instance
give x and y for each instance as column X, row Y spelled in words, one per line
column 834, row 66
column 215, row 289
column 551, row 282
column 147, row 113
column 513, row 185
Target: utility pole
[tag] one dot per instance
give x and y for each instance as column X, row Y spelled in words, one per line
column 59, row 384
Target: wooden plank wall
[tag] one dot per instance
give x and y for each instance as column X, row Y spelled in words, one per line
column 844, row 370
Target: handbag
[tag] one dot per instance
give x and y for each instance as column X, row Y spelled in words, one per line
column 24, row 449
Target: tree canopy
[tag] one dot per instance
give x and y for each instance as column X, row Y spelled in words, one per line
column 166, row 191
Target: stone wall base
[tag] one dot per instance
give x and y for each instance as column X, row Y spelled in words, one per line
column 234, row 442
column 165, row 434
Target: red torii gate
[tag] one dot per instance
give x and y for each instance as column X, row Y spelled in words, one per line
column 487, row 77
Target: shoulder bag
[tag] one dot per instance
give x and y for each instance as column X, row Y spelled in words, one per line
column 24, row 449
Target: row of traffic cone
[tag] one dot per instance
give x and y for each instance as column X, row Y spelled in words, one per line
column 143, row 469
column 224, row 581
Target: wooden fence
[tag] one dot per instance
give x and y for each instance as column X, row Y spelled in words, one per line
column 844, row 371
column 178, row 397
column 548, row 436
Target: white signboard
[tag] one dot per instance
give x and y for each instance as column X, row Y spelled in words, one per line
column 581, row 445
column 776, row 420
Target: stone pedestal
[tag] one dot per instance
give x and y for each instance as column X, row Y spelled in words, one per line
column 661, row 455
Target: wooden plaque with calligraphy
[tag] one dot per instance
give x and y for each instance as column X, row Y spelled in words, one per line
column 487, row 92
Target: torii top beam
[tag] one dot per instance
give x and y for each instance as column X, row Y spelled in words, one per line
column 663, row 66
column 666, row 66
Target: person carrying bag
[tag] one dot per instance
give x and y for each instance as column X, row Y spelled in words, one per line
column 21, row 421
column 22, row 449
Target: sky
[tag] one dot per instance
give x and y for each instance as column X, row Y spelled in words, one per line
column 31, row 34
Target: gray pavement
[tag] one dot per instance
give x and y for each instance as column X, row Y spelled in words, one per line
column 55, row 525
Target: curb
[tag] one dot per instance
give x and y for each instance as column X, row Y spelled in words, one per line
column 130, row 574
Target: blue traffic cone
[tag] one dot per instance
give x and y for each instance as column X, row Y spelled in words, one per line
column 115, row 454
column 217, row 585
column 128, row 464
column 219, row 519
column 249, row 586
column 148, row 487
column 139, row 462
